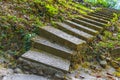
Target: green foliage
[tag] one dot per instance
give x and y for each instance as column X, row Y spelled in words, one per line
column 107, row 44
column 107, row 34
column 115, row 18
column 51, row 10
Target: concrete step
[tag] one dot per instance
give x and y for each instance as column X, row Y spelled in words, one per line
column 87, row 24
column 91, row 21
column 47, row 60
column 61, row 37
column 75, row 32
column 111, row 10
column 98, row 16
column 41, row 43
column 96, row 19
column 106, row 11
column 104, row 15
column 81, row 27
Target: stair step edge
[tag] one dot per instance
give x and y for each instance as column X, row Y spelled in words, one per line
column 64, row 26
column 63, row 35
column 47, row 59
column 81, row 26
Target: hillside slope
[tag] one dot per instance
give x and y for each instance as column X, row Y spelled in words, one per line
column 20, row 18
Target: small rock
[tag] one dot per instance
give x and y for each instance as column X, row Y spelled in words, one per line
column 114, row 34
column 68, row 78
column 82, row 77
column 93, row 67
column 2, row 60
column 77, row 75
column 112, row 28
column 40, row 72
column 4, row 71
column 59, row 75
column 103, row 63
column 26, row 72
column 99, row 37
column 26, row 67
column 18, row 70
column 96, row 68
column 98, row 76
column 33, row 71
column 73, row 78
column 108, row 59
column 102, row 57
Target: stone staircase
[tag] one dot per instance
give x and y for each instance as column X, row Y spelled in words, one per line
column 54, row 46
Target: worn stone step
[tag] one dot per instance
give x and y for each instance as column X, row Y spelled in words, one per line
column 98, row 16
column 87, row 24
column 91, row 21
column 61, row 37
column 45, row 60
column 41, row 43
column 107, row 13
column 111, row 10
column 104, row 15
column 81, row 27
column 73, row 31
column 96, row 19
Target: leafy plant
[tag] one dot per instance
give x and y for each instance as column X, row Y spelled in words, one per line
column 115, row 18
column 51, row 10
